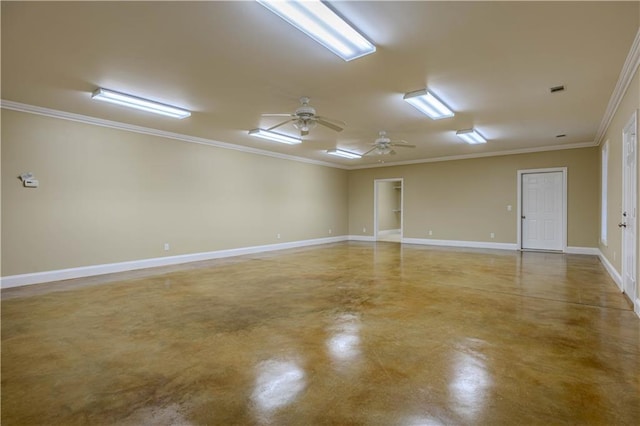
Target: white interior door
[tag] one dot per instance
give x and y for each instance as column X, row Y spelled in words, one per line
column 542, row 211
column 628, row 223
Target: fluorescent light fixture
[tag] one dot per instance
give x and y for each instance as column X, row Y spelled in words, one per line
column 276, row 137
column 139, row 103
column 344, row 154
column 323, row 25
column 471, row 136
column 425, row 102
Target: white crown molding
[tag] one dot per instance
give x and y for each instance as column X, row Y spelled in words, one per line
column 626, row 75
column 479, row 155
column 109, row 268
column 48, row 112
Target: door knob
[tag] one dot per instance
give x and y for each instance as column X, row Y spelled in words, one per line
column 622, row 225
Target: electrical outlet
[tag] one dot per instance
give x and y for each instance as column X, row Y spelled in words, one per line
column 492, row 235
column 330, row 231
column 364, row 230
column 430, row 232
column 509, row 208
column 278, row 236
column 167, row 247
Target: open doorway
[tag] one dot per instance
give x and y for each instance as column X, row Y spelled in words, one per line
column 387, row 214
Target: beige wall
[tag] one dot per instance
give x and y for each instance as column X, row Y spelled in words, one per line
column 466, row 200
column 388, row 204
column 629, row 103
column 108, row 196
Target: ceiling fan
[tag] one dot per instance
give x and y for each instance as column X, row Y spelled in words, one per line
column 383, row 145
column 304, row 118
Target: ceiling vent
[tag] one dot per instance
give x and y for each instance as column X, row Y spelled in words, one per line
column 555, row 89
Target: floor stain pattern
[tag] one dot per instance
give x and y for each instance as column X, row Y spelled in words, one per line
column 340, row 334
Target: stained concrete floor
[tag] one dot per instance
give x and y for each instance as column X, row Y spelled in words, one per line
column 344, row 334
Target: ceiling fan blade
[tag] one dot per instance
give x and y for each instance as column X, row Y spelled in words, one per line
column 370, row 151
column 329, row 125
column 278, row 115
column 332, row 120
column 281, row 124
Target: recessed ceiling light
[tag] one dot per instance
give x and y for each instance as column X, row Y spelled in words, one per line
column 139, row 103
column 471, row 136
column 323, row 25
column 427, row 103
column 274, row 136
column 555, row 89
column 343, row 153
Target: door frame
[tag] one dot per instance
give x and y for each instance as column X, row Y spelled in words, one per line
column 630, row 126
column 375, row 205
column 564, row 202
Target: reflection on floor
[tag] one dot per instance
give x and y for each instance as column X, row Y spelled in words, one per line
column 347, row 333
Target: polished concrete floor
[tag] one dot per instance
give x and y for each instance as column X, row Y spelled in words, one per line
column 342, row 334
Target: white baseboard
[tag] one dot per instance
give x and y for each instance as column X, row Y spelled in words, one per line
column 615, row 275
column 594, row 251
column 467, row 244
column 368, row 238
column 88, row 271
column 389, row 232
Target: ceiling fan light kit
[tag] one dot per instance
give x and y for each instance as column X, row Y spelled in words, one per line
column 275, row 137
column 471, row 136
column 344, row 154
column 384, row 145
column 304, row 118
column 131, row 101
column 427, row 103
column 323, row 25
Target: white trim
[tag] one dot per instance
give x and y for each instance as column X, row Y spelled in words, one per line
column 626, row 75
column 466, row 244
column 636, row 307
column 389, row 232
column 478, row 155
column 564, row 203
column 615, row 275
column 593, row 251
column 48, row 112
column 88, row 271
column 365, row 238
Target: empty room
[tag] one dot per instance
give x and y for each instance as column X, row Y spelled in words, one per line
column 320, row 213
